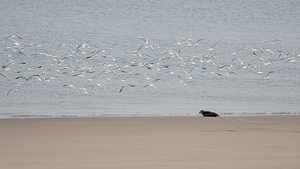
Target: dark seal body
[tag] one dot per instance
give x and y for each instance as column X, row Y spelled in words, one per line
column 208, row 113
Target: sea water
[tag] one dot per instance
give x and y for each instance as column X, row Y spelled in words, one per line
column 148, row 58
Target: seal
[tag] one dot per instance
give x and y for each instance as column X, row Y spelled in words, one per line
column 208, row 113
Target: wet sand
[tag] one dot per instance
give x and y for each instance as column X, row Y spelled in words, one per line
column 151, row 142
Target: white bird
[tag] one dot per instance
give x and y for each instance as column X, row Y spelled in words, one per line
column 124, row 87
column 11, row 90
column 4, row 76
column 268, row 74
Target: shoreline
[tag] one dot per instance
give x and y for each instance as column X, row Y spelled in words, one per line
column 154, row 115
column 151, row 142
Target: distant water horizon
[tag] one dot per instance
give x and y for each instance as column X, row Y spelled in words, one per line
column 140, row 58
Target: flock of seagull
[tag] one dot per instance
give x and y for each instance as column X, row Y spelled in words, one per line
column 89, row 68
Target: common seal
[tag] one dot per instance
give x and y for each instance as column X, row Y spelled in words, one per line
column 208, row 113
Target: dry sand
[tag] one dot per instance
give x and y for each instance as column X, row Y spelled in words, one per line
column 265, row 142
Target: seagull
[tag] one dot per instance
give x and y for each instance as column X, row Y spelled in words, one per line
column 151, row 85
column 11, row 90
column 101, row 85
column 124, row 87
column 4, row 76
column 268, row 74
column 145, row 40
column 27, row 78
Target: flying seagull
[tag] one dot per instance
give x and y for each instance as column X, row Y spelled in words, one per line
column 125, row 86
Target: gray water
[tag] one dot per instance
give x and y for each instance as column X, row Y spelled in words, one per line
column 170, row 58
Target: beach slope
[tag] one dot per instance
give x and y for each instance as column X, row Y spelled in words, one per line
column 151, row 142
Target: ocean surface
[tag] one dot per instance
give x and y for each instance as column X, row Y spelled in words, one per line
column 114, row 58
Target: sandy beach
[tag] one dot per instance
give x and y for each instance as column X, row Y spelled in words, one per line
column 151, row 142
